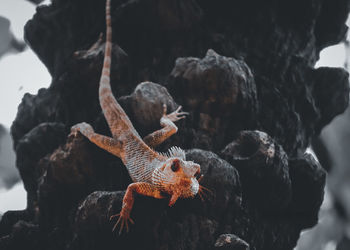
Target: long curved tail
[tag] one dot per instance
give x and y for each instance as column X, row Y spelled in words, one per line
column 105, row 77
column 134, row 152
column 117, row 120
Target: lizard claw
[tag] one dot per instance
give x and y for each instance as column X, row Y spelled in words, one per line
column 176, row 115
column 123, row 220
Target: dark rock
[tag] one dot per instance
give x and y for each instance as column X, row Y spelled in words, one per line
column 189, row 224
column 344, row 243
column 217, row 90
column 92, row 224
column 331, row 91
column 145, row 105
column 5, row 242
column 27, row 118
column 24, row 235
column 70, row 173
column 330, row 27
column 69, row 98
column 40, row 141
column 265, row 80
column 10, row 218
column 55, row 52
column 331, row 149
column 231, row 242
column 221, row 178
column 308, row 181
column 263, row 167
column 279, row 63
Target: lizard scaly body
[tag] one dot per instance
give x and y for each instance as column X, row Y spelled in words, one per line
column 154, row 174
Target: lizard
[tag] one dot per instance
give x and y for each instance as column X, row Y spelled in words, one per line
column 154, row 174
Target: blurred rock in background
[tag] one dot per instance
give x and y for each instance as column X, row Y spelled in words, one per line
column 332, row 148
column 8, row 172
column 8, row 43
column 334, row 226
column 35, row 1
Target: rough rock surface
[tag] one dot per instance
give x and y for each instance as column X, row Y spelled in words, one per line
column 217, row 90
column 258, row 159
column 245, row 73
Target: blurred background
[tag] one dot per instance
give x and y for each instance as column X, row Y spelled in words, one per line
column 22, row 72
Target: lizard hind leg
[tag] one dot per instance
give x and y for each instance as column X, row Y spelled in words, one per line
column 124, row 219
column 112, row 145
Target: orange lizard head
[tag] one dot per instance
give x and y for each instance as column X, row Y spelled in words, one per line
column 178, row 177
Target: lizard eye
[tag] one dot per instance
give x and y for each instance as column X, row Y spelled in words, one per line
column 175, row 166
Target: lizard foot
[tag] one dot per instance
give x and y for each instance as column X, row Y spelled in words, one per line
column 124, row 219
column 83, row 128
column 176, row 115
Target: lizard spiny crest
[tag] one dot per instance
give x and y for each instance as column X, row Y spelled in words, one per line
column 175, row 152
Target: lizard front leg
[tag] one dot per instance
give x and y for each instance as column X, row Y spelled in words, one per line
column 168, row 127
column 109, row 144
column 142, row 188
